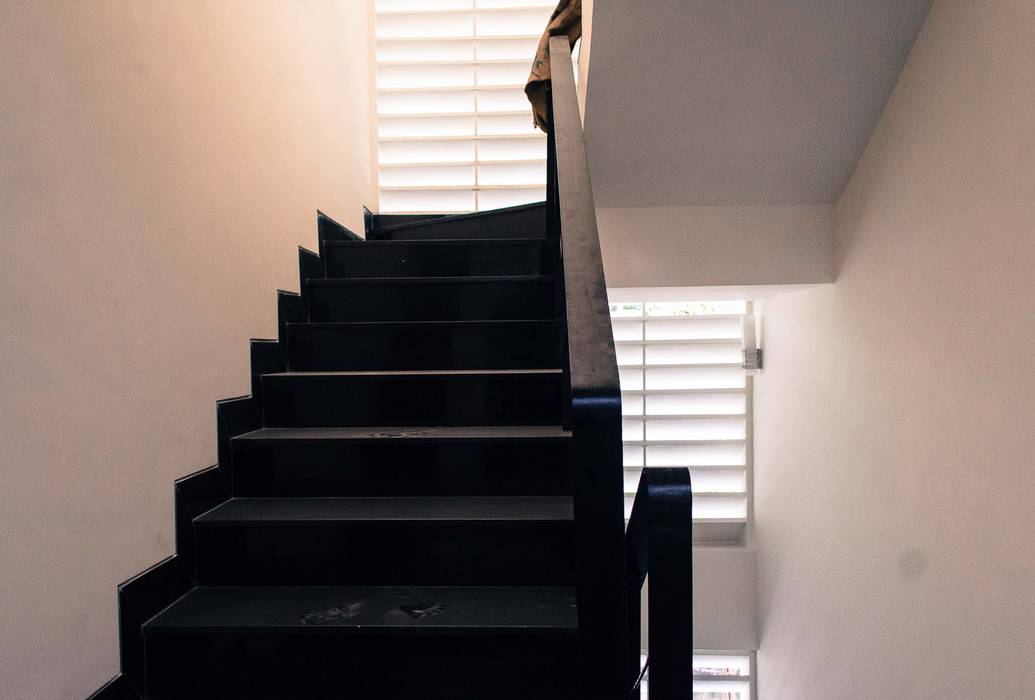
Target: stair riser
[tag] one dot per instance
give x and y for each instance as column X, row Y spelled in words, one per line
column 529, row 222
column 425, row 552
column 297, row 401
column 498, row 346
column 388, row 468
column 414, row 260
column 432, row 301
column 325, row 667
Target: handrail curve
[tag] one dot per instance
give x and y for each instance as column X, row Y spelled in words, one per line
column 659, row 544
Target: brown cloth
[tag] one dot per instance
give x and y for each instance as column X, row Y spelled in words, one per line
column 566, row 19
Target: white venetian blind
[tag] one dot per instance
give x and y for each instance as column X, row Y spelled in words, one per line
column 717, row 676
column 454, row 127
column 686, row 403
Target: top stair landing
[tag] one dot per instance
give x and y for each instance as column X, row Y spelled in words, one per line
column 524, row 221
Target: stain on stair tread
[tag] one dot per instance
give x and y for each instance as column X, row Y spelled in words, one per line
column 500, row 609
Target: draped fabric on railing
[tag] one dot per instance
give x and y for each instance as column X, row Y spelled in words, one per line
column 455, row 129
column 565, row 20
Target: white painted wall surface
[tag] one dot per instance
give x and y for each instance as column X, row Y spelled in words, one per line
column 895, row 431
column 161, row 161
column 716, row 246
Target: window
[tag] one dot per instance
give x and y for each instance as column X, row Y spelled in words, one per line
column 686, row 402
column 454, row 127
column 717, row 677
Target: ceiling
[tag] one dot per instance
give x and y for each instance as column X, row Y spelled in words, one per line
column 738, row 102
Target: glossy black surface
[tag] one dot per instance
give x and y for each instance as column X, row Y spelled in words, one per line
column 593, row 404
column 118, row 688
column 503, row 610
column 233, row 417
column 449, row 397
column 277, row 666
column 431, row 298
column 365, row 642
column 436, row 461
column 195, row 494
column 267, row 357
column 139, row 599
column 398, row 510
column 524, row 221
column 659, row 544
column 424, row 345
column 439, row 258
column 396, row 541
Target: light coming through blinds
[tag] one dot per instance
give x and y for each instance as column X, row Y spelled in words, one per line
column 686, row 403
column 716, row 677
column 454, row 127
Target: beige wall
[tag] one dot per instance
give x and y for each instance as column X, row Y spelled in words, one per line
column 894, row 433
column 161, row 161
column 716, row 246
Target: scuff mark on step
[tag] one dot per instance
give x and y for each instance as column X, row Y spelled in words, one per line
column 346, row 611
column 423, row 608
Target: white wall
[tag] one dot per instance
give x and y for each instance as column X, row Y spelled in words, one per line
column 716, row 246
column 894, row 434
column 725, row 615
column 160, row 163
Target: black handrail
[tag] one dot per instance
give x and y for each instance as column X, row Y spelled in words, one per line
column 658, row 542
column 593, row 404
column 611, row 568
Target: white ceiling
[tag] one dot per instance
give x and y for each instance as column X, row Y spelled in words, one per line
column 738, row 102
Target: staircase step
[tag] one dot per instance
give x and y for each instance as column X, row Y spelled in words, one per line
column 431, row 298
column 504, row 610
column 364, row 642
column 522, row 221
column 413, row 398
column 510, row 434
column 440, row 258
column 399, row 461
column 391, row 540
column 398, row 345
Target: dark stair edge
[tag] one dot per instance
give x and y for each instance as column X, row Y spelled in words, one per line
column 442, row 242
column 330, row 231
column 552, row 371
column 462, row 217
column 373, row 223
column 118, row 688
column 388, row 434
column 140, row 598
column 486, row 279
column 453, row 323
column 389, row 510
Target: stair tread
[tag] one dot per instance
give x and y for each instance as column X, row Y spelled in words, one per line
column 415, row 372
column 470, row 279
column 370, row 610
column 391, row 509
column 435, row 433
column 462, row 323
column 443, row 242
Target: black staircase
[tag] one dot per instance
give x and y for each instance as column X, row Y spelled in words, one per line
column 422, row 497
